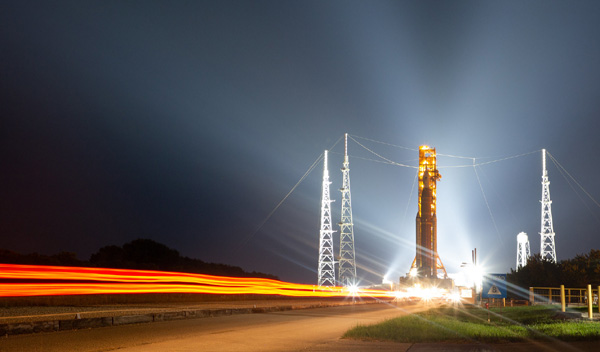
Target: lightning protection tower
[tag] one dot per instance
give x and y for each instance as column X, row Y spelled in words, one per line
column 548, row 249
column 326, row 260
column 523, row 251
column 347, row 261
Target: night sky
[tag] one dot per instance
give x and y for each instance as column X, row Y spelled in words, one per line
column 187, row 122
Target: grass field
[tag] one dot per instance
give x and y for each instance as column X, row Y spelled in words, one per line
column 508, row 324
column 583, row 309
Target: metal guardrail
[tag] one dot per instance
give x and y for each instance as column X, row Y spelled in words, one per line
column 551, row 295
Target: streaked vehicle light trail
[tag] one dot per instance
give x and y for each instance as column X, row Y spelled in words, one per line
column 37, row 280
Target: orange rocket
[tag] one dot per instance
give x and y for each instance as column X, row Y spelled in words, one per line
column 427, row 262
column 426, row 221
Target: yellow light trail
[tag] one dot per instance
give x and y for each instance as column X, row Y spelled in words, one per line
column 15, row 281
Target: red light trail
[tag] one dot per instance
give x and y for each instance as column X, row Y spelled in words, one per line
column 16, row 281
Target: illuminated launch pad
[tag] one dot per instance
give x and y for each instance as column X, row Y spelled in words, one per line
column 427, row 264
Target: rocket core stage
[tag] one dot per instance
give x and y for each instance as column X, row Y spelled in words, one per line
column 427, row 263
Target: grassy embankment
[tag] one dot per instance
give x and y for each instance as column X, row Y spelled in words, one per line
column 471, row 324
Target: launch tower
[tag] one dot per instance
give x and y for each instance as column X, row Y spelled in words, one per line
column 326, row 272
column 347, row 262
column 427, row 263
column 548, row 249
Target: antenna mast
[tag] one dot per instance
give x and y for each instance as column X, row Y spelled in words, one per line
column 347, row 265
column 326, row 261
column 548, row 249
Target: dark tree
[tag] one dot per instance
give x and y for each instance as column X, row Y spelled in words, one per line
column 150, row 255
column 61, row 259
column 109, row 256
column 577, row 272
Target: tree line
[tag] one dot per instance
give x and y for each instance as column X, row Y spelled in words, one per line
column 144, row 254
column 577, row 272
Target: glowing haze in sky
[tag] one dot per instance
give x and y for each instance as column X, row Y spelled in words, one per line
column 188, row 122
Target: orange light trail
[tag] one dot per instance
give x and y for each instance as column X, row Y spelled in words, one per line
column 123, row 281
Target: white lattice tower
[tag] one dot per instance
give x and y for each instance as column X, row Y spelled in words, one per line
column 548, row 249
column 523, row 250
column 347, row 261
column 326, row 259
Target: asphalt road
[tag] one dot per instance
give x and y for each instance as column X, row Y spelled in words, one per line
column 305, row 329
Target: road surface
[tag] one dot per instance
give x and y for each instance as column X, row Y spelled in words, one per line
column 304, row 329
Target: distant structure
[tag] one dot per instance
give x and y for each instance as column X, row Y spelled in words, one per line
column 427, row 263
column 347, row 261
column 523, row 250
column 548, row 249
column 326, row 276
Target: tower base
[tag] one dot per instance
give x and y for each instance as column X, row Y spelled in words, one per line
column 439, row 268
column 426, row 282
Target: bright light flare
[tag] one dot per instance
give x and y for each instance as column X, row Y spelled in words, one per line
column 431, row 293
column 353, row 290
column 401, row 295
column 426, row 294
column 38, row 280
column 454, row 297
column 472, row 276
column 477, row 277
